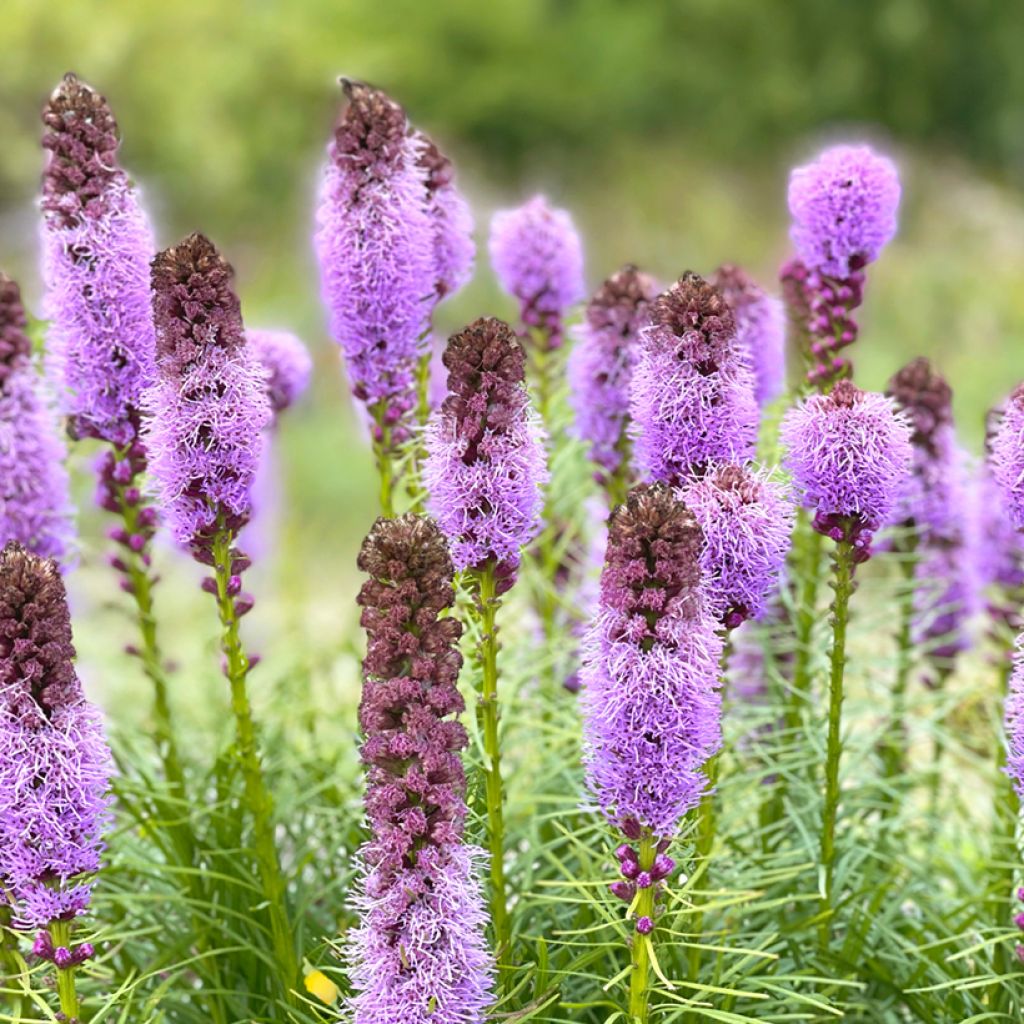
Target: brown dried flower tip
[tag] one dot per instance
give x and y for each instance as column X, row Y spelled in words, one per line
column 925, row 395
column 372, row 127
column 622, row 300
column 697, row 312
column 15, row 347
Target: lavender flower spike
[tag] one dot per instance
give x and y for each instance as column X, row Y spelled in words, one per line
column 97, row 244
column 1007, row 459
column 287, row 365
column 849, row 453
column 54, row 763
column 375, row 242
column 485, row 467
column 601, row 366
column 692, row 396
column 419, row 954
column 35, row 508
column 208, row 406
column 538, row 257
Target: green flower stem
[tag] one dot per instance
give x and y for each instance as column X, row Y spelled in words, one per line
column 809, row 574
column 894, row 744
column 487, row 711
column 384, row 456
column 257, row 795
column 707, row 829
column 418, row 455
column 640, row 973
column 60, row 935
column 843, row 586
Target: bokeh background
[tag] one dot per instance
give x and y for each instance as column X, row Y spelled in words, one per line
column 667, row 128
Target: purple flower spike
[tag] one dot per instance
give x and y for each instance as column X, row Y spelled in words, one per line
column 208, row 406
column 849, row 453
column 601, row 365
column 1007, row 457
column 419, row 953
column 97, row 244
column 485, row 467
column 54, row 763
column 844, row 209
column 1014, row 724
column 287, row 365
column 692, row 396
column 35, row 507
column 746, row 521
column 538, row 257
column 375, row 243
column 760, row 329
column 650, row 696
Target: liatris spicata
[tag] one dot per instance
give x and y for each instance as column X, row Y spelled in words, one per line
column 419, row 954
column 844, row 213
column 1014, row 723
column 54, row 766
column 692, row 394
column 600, row 369
column 35, row 508
column 849, row 453
column 760, row 328
column 484, row 474
column 746, row 521
column 207, row 412
column 375, row 242
column 1007, row 456
column 650, row 698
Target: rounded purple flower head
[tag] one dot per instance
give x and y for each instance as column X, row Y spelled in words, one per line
column 97, row 244
column 209, row 405
column 600, row 366
column 849, row 454
column 485, row 467
column 1007, row 456
column 54, row 763
column 746, row 521
column 844, row 209
column 692, row 394
column 538, row 257
column 287, row 365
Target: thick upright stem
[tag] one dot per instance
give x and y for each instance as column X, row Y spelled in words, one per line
column 60, row 935
column 843, row 585
column 257, row 796
column 707, row 829
column 640, row 973
column 384, row 457
column 809, row 572
column 895, row 739
column 414, row 486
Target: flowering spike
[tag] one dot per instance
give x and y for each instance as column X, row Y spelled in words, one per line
column 1007, row 456
column 1014, row 723
column 287, row 365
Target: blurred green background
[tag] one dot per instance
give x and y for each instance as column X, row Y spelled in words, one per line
column 666, row 128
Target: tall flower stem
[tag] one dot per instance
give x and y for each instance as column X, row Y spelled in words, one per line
column 60, row 935
column 487, row 710
column 640, row 973
column 256, row 793
column 895, row 739
column 843, row 562
column 385, row 464
column 414, row 487
column 809, row 573
column 707, row 829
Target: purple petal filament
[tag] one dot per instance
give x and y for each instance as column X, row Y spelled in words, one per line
column 1007, row 459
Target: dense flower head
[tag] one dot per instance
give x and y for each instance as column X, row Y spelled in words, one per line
column 375, row 242
column 601, row 363
column 97, row 245
column 538, row 257
column 1014, row 722
column 692, row 394
column 746, row 521
column 35, row 508
column 760, row 329
column 844, row 207
column 485, row 467
column 849, row 454
column 287, row 364
column 208, row 406
column 1007, row 456
column 54, row 762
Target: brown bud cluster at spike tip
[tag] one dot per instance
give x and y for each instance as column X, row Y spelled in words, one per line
column 925, row 395
column 194, row 303
column 82, row 137
column 845, row 394
column 736, row 285
column 621, row 300
column 36, row 650
column 372, row 127
column 440, row 171
column 653, row 556
column 15, row 347
column 697, row 312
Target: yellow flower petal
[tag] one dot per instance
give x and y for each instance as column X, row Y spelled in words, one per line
column 320, row 986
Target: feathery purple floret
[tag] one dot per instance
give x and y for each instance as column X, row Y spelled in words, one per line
column 287, row 365
column 760, row 329
column 485, row 467
column 97, row 245
column 746, row 521
column 849, row 453
column 1014, row 722
column 600, row 365
column 375, row 242
column 54, row 763
column 35, row 508
column 209, row 405
column 650, row 679
column 1007, row 456
column 419, row 954
column 692, row 394
column 537, row 255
